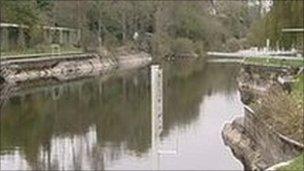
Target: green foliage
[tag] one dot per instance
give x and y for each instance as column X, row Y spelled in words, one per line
column 113, row 23
column 185, row 46
column 296, row 165
column 233, row 44
column 283, row 112
column 284, row 14
column 36, row 36
column 299, row 85
column 239, row 18
column 41, row 48
column 187, row 22
column 199, row 48
column 268, row 61
column 23, row 12
column 182, row 45
column 28, row 13
column 44, row 4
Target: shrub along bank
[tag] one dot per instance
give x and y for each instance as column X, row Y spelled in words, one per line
column 283, row 111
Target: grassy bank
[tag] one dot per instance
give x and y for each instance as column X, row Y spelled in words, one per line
column 283, row 111
column 40, row 50
column 299, row 84
column 268, row 61
column 296, row 165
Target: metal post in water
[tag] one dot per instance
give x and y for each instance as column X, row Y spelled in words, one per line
column 156, row 112
column 157, row 117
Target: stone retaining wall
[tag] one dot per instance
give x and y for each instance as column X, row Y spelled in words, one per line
column 23, row 73
column 16, row 71
column 62, row 70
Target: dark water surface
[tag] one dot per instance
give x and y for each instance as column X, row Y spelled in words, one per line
column 104, row 123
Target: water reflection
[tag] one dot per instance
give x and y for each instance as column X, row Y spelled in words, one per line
column 183, row 94
column 105, row 124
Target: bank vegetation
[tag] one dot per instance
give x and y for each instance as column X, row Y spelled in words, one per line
column 283, row 111
column 283, row 14
column 164, row 28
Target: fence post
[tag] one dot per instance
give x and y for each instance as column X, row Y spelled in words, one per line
column 4, row 38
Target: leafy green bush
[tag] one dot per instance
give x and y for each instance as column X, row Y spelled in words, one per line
column 161, row 46
column 233, row 45
column 283, row 14
column 185, row 46
column 283, row 112
column 110, row 41
column 199, row 48
column 181, row 46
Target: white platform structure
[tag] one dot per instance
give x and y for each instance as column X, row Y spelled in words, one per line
column 13, row 35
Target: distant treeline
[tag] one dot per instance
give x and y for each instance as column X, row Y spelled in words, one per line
column 164, row 27
column 283, row 14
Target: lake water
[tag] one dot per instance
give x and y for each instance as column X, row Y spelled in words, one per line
column 105, row 122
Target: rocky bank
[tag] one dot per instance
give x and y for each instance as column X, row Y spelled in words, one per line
column 67, row 67
column 252, row 140
column 18, row 72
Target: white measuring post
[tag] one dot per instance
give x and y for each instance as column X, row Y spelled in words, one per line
column 156, row 112
column 157, row 117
